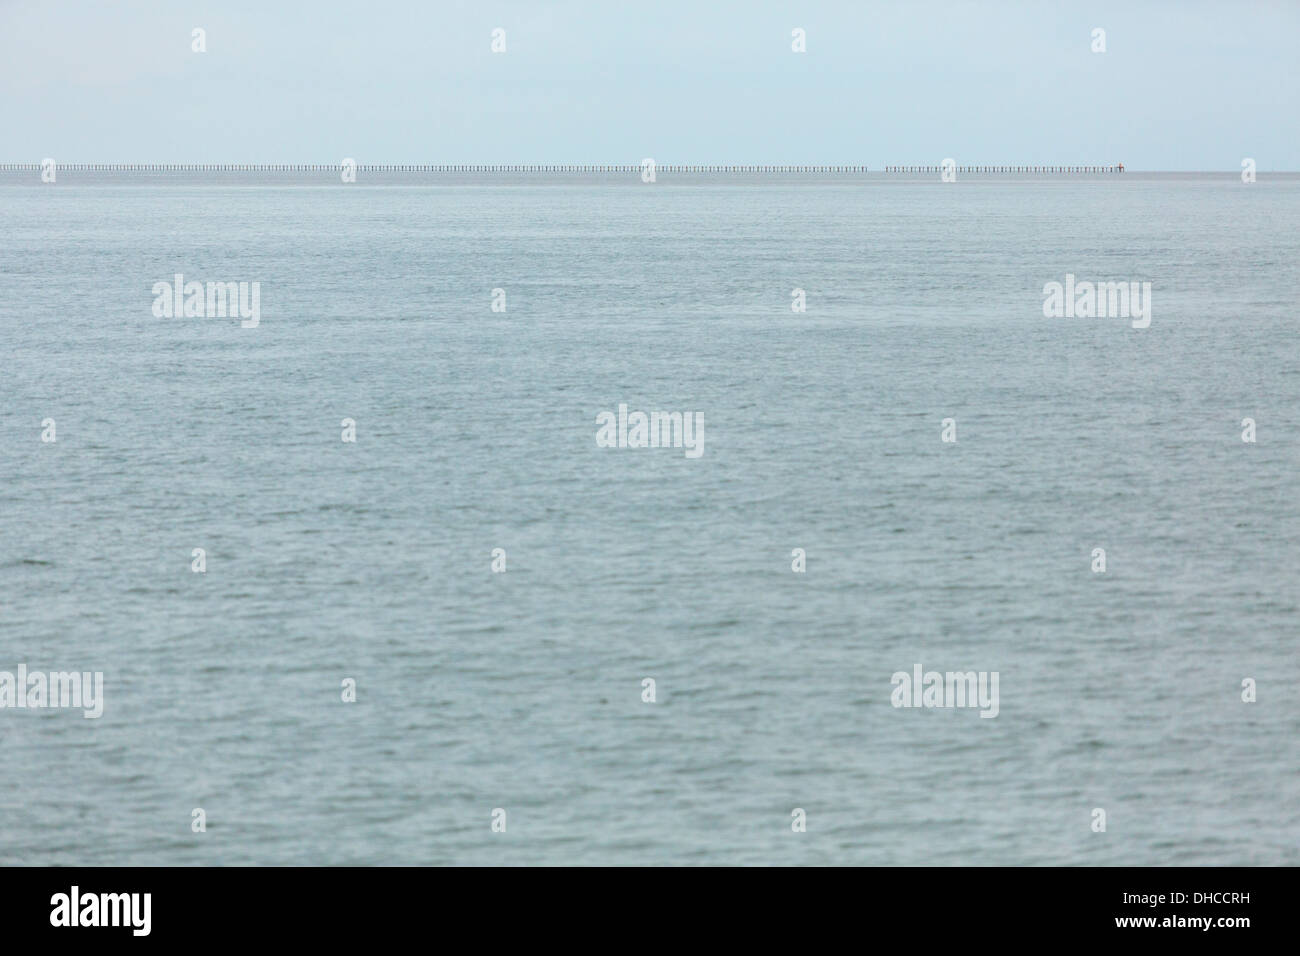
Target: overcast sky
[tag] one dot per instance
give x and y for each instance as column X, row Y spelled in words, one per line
column 1181, row 86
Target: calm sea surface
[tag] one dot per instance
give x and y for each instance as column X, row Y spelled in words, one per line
column 476, row 430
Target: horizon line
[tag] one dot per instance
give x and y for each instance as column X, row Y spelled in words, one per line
column 772, row 168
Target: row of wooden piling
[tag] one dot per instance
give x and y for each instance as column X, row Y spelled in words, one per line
column 440, row 168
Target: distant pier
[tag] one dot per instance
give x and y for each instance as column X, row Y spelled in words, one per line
column 456, row 168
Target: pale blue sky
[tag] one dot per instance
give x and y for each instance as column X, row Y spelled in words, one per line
column 1182, row 86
